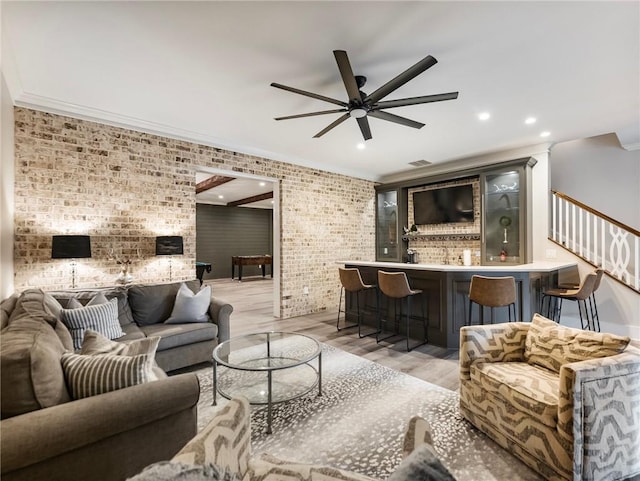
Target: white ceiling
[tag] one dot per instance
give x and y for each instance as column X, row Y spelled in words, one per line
column 238, row 189
column 202, row 71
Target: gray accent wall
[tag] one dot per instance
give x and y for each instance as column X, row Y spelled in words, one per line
column 222, row 232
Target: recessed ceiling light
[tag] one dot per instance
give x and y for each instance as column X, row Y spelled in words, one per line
column 221, row 196
column 262, row 184
column 530, row 120
column 484, row 116
column 360, row 146
column 545, row 134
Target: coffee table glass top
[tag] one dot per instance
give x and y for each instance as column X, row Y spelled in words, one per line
column 267, row 351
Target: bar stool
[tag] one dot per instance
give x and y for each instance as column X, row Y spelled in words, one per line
column 492, row 292
column 352, row 283
column 585, row 291
column 593, row 307
column 395, row 286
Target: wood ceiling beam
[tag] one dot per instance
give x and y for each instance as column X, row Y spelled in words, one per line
column 211, row 182
column 250, row 200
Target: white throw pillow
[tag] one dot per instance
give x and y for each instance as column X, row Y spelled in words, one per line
column 190, row 307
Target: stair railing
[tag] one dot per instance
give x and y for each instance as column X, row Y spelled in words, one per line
column 596, row 238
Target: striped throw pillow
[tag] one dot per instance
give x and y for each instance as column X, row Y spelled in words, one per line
column 102, row 318
column 92, row 375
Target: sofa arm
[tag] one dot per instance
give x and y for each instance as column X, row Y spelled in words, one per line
column 220, row 313
column 491, row 343
column 599, row 412
column 225, row 441
column 59, row 431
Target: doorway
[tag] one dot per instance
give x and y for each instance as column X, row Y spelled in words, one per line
column 238, row 215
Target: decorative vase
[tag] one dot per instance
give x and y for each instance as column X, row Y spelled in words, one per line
column 124, row 277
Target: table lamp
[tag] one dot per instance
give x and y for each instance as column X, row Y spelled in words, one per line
column 169, row 245
column 71, row 247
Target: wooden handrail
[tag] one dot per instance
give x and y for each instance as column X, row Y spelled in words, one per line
column 596, row 212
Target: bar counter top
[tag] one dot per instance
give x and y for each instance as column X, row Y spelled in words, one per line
column 542, row 266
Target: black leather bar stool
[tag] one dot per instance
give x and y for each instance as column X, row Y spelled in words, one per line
column 395, row 286
column 352, row 283
column 585, row 291
column 492, row 292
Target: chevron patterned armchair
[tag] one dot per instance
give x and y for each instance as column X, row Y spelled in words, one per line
column 564, row 401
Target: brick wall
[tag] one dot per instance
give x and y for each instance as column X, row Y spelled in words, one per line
column 124, row 187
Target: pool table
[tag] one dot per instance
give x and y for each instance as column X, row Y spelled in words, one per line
column 200, row 268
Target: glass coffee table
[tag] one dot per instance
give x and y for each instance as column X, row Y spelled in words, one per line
column 267, row 368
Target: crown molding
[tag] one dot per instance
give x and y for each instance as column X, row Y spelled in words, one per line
column 82, row 112
column 472, row 162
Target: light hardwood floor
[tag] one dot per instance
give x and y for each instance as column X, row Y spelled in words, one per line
column 253, row 312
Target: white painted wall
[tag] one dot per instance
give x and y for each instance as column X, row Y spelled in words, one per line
column 598, row 172
column 6, row 191
column 539, row 207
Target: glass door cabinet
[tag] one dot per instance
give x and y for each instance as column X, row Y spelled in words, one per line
column 504, row 226
column 388, row 225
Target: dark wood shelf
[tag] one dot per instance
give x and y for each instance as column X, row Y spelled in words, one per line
column 442, row 237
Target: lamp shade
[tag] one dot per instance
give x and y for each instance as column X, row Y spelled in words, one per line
column 169, row 245
column 70, row 246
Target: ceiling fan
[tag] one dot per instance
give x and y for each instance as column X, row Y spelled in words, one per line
column 360, row 105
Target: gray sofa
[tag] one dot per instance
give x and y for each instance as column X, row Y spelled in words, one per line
column 45, row 435
column 142, row 310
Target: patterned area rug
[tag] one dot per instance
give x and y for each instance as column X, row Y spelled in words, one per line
column 358, row 423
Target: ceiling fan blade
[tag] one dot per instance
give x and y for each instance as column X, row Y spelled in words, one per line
column 401, row 79
column 309, row 94
column 347, row 75
column 311, row 114
column 388, row 104
column 331, row 125
column 378, row 114
column 363, row 123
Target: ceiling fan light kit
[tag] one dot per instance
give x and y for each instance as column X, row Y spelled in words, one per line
column 360, row 105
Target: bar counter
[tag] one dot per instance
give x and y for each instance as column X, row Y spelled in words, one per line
column 446, row 287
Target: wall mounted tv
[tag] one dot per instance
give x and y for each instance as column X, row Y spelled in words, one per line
column 443, row 205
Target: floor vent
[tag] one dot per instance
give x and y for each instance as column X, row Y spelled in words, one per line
column 420, row 163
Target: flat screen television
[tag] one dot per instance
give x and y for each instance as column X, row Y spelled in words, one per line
column 443, row 205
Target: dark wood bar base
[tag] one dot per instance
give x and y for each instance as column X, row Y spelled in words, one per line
column 446, row 291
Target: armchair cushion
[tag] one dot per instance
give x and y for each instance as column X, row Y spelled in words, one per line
column 491, row 343
column 533, row 390
column 225, row 441
column 550, row 345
